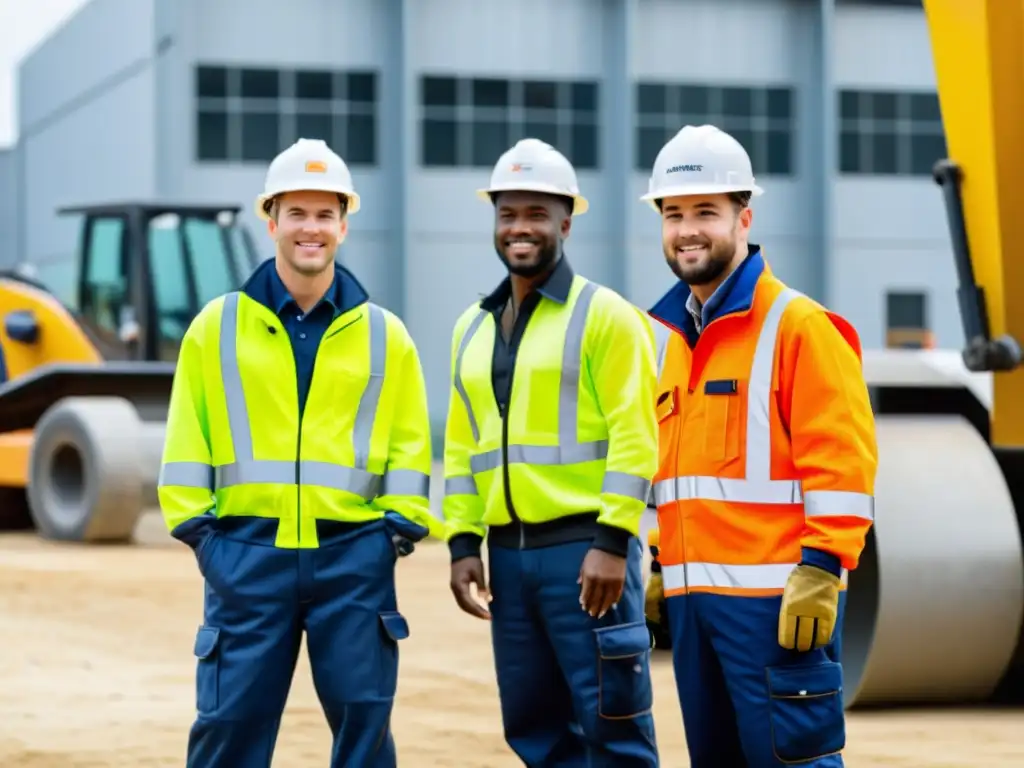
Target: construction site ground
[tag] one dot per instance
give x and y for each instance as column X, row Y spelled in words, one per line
column 96, row 671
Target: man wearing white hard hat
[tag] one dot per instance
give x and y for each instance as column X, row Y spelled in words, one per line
column 766, row 479
column 550, row 445
column 296, row 465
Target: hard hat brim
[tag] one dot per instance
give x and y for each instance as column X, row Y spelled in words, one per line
column 353, row 199
column 708, row 189
column 580, row 205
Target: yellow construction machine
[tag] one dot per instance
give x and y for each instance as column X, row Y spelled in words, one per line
column 85, row 382
column 935, row 611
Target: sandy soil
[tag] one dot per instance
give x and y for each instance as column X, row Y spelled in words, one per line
column 96, row 671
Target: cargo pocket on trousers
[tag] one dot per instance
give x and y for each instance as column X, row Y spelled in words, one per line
column 394, row 628
column 623, row 672
column 207, row 669
column 806, row 711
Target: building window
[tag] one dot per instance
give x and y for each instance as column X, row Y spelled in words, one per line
column 470, row 122
column 760, row 118
column 888, row 133
column 906, row 320
column 250, row 114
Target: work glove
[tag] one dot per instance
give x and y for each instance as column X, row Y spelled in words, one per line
column 654, row 602
column 810, row 602
column 404, row 532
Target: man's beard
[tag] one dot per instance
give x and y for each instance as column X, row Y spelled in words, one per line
column 720, row 255
column 547, row 256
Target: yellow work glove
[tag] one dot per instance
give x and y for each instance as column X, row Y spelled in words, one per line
column 809, row 606
column 654, row 599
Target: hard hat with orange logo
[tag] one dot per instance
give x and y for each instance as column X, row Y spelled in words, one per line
column 535, row 166
column 307, row 165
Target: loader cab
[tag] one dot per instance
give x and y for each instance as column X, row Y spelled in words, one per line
column 145, row 270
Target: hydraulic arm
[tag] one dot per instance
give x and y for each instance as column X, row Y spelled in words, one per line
column 979, row 66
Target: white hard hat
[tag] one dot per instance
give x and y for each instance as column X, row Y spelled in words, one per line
column 700, row 160
column 307, row 165
column 535, row 166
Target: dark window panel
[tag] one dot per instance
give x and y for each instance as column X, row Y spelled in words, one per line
column 211, row 82
column 314, row 126
column 584, row 97
column 260, row 139
column 780, row 153
column 545, row 130
column 925, row 107
column 361, row 143
column 850, row 160
column 362, row 87
column 925, row 150
column 906, row 310
column 779, row 103
column 314, row 85
column 539, row 94
column 884, row 153
column 260, row 83
column 584, row 154
column 649, row 142
column 651, row 99
column 849, row 105
column 490, row 92
column 883, row 106
column 489, row 140
column 439, row 91
column 694, row 99
column 211, row 136
column 737, row 102
column 440, row 144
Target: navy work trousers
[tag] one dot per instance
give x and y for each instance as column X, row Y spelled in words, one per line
column 575, row 691
column 746, row 701
column 259, row 600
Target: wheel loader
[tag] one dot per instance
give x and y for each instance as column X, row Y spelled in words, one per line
column 85, row 384
column 935, row 610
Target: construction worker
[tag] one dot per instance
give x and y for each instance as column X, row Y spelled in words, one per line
column 550, row 445
column 766, row 479
column 298, row 489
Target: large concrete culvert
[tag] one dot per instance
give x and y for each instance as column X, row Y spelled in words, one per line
column 936, row 609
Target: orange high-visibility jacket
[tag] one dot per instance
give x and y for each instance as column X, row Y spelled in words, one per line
column 767, row 439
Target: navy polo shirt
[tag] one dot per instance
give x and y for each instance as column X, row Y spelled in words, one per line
column 305, row 330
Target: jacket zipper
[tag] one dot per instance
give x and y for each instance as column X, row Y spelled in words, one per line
column 504, row 457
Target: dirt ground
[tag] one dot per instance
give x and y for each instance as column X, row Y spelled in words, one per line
column 96, row 672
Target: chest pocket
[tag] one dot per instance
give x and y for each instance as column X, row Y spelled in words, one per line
column 723, row 418
column 668, row 411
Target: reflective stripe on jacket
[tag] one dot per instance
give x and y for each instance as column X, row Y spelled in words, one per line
column 581, row 433
column 767, row 446
column 237, row 444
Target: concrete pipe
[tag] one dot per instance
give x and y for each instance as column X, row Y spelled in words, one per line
column 86, row 474
column 935, row 608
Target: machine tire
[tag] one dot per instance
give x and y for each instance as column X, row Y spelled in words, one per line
column 85, row 473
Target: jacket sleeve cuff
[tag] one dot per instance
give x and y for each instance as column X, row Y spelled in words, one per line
column 821, row 559
column 464, row 545
column 614, row 541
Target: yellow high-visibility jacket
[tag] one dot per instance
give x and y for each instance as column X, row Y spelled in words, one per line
column 236, row 444
column 581, row 433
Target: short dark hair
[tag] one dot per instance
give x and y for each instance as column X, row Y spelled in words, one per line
column 270, row 206
column 565, row 200
column 740, row 200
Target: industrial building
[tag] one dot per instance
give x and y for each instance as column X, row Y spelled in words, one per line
column 189, row 99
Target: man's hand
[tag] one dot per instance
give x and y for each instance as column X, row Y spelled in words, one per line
column 602, row 577
column 810, row 603
column 467, row 572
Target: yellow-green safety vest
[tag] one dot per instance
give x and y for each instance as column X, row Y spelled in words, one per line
column 582, row 432
column 236, row 442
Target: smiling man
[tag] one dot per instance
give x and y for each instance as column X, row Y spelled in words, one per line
column 296, row 465
column 766, row 480
column 549, row 449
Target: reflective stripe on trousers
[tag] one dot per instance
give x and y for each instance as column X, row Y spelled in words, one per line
column 569, row 450
column 247, row 470
column 756, row 487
